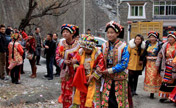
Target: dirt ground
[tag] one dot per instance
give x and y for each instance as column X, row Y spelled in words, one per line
column 42, row 93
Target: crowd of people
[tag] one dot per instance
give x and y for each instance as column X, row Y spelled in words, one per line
column 92, row 77
column 16, row 45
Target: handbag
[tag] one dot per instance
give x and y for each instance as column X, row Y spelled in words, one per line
column 12, row 65
column 29, row 56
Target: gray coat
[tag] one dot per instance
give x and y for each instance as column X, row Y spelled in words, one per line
column 163, row 61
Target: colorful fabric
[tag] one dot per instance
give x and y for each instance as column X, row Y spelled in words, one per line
column 88, row 41
column 66, row 51
column 153, row 33
column 172, row 95
column 172, row 33
column 167, row 81
column 152, row 50
column 121, row 93
column 152, row 81
column 69, row 27
column 91, row 98
column 18, row 52
column 120, row 62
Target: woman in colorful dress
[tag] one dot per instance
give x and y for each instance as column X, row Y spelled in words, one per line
column 168, row 69
column 152, row 81
column 65, row 52
column 30, row 46
column 87, row 79
column 15, row 58
column 135, row 49
column 116, row 57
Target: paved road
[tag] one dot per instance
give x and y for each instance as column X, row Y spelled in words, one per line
column 41, row 93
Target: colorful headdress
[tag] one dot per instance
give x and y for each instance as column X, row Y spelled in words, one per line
column 118, row 28
column 172, row 33
column 88, row 41
column 15, row 36
column 69, row 27
column 153, row 33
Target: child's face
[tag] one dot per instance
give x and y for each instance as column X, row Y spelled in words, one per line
column 66, row 34
column 111, row 34
column 88, row 51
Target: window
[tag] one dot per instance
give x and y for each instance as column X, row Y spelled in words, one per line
column 165, row 8
column 136, row 11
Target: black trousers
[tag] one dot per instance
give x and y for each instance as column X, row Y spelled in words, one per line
column 112, row 99
column 57, row 67
column 15, row 74
column 38, row 53
column 49, row 66
column 133, row 81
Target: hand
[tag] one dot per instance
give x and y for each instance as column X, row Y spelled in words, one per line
column 47, row 47
column 140, row 62
column 27, row 44
column 160, row 55
column 98, row 70
column 90, row 78
column 105, row 72
column 73, row 61
column 67, row 62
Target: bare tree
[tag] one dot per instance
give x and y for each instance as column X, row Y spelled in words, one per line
column 51, row 7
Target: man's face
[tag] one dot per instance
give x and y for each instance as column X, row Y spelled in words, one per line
column 2, row 30
column 89, row 32
column 54, row 36
column 38, row 30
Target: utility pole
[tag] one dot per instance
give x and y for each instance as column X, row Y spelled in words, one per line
column 84, row 15
column 118, row 15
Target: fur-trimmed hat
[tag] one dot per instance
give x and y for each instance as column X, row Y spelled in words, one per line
column 88, row 41
column 172, row 33
column 118, row 28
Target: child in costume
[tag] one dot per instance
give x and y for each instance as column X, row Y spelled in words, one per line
column 116, row 57
column 65, row 52
column 87, row 78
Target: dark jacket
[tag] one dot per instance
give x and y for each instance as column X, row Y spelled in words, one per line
column 3, row 45
column 52, row 48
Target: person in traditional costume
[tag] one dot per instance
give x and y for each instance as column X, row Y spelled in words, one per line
column 135, row 49
column 15, row 58
column 65, row 52
column 172, row 96
column 168, row 68
column 152, row 80
column 116, row 57
column 87, row 80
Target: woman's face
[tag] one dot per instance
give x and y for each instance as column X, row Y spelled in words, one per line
column 66, row 34
column 152, row 39
column 171, row 40
column 112, row 35
column 88, row 51
column 138, row 41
